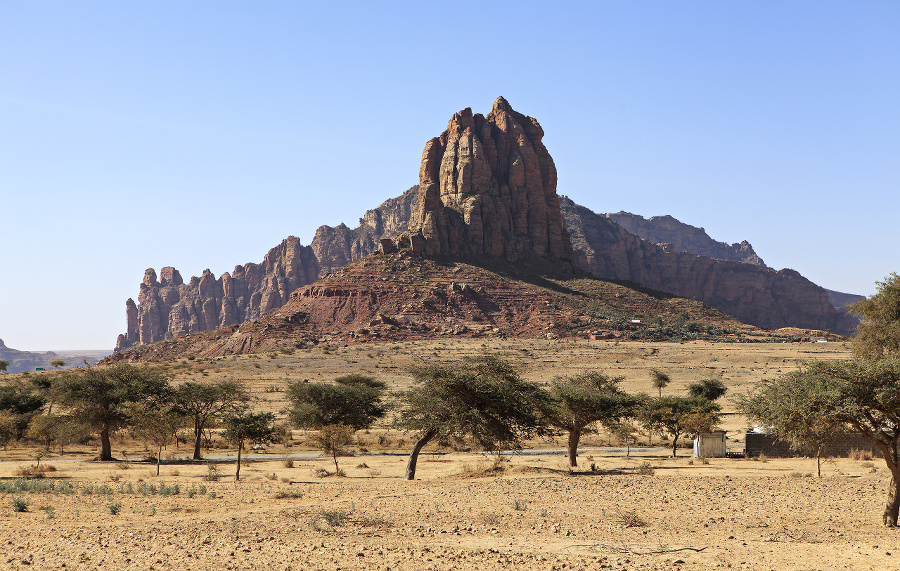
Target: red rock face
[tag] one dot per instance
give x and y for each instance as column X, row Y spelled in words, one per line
column 756, row 295
column 487, row 187
column 169, row 307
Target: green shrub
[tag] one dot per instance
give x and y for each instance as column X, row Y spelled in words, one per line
column 334, row 518
column 19, row 504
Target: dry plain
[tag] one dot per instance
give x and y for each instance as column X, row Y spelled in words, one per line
column 465, row 510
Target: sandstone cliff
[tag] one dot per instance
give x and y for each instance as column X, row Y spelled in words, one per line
column 169, row 307
column 335, row 247
column 684, row 237
column 487, row 188
column 760, row 296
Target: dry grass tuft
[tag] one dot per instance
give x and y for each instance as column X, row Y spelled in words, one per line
column 630, row 518
column 34, row 471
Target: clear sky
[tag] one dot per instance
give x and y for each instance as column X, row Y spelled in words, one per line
column 200, row 134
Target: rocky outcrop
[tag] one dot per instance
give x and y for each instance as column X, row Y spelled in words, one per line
column 487, row 188
column 169, row 307
column 685, row 238
column 337, row 246
column 756, row 295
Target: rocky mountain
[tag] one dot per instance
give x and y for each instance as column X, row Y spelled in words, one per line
column 757, row 295
column 169, row 307
column 685, row 238
column 487, row 191
column 335, row 247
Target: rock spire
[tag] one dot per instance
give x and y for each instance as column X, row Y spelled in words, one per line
column 487, row 188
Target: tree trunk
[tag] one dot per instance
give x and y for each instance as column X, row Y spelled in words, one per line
column 198, row 434
column 892, row 509
column 334, row 457
column 237, row 470
column 819, row 461
column 675, row 445
column 105, row 446
column 574, row 438
column 411, row 465
column 158, row 458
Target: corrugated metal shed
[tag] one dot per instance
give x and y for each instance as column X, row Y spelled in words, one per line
column 710, row 445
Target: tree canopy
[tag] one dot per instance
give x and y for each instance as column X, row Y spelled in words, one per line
column 253, row 427
column 353, row 400
column 709, row 389
column 481, row 397
column 799, row 407
column 878, row 335
column 660, row 379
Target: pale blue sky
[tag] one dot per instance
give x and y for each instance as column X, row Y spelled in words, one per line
column 200, row 134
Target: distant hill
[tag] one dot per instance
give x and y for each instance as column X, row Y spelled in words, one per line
column 21, row 361
column 685, row 238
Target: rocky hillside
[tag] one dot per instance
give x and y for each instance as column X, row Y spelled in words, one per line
column 685, row 238
column 487, row 190
column 402, row 296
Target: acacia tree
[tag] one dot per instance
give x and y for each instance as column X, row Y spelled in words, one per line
column 482, row 397
column 57, row 363
column 710, row 389
column 204, row 403
column 336, row 410
column 864, row 393
column 3, row 365
column 333, row 439
column 799, row 407
column 659, row 379
column 20, row 400
column 253, row 427
column 354, row 400
column 158, row 425
column 7, row 427
column 103, row 398
column 583, row 400
column 679, row 415
column 878, row 334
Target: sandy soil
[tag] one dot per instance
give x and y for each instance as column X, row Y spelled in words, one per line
column 463, row 512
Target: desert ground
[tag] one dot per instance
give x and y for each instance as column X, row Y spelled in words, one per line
column 466, row 510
